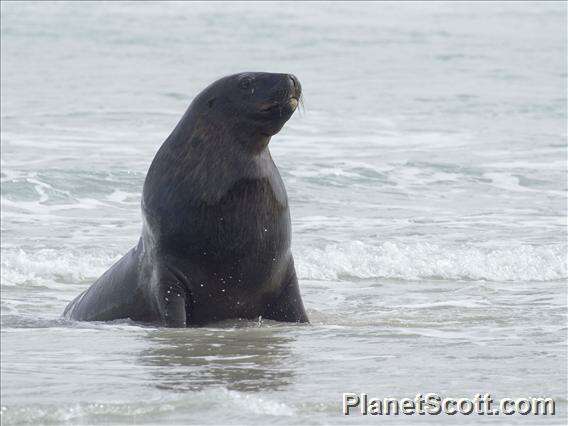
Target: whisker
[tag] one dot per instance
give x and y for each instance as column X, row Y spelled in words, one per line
column 302, row 106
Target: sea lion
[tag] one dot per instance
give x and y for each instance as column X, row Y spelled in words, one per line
column 215, row 240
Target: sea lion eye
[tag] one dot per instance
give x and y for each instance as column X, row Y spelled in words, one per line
column 245, row 83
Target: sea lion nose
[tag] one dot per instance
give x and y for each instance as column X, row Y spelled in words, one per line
column 295, row 84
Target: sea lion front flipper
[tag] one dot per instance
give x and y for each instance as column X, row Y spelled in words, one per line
column 174, row 301
column 288, row 306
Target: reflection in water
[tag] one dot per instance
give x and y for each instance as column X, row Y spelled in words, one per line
column 243, row 358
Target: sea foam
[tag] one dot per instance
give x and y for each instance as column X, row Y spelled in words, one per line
column 356, row 259
column 422, row 260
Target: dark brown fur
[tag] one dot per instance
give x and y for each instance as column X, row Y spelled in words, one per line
column 215, row 241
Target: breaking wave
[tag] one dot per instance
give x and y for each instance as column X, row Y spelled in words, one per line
column 430, row 261
column 359, row 260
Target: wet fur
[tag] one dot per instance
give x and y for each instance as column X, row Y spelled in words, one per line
column 215, row 241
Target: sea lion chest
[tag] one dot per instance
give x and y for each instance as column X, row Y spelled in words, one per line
column 251, row 218
column 234, row 252
column 238, row 239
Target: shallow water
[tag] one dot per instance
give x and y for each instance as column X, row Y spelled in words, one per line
column 427, row 184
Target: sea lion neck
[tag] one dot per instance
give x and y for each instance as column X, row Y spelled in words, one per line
column 255, row 144
column 197, row 130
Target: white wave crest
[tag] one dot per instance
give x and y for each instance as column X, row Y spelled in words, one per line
column 430, row 261
column 414, row 261
column 48, row 266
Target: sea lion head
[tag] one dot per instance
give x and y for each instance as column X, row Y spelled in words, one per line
column 253, row 103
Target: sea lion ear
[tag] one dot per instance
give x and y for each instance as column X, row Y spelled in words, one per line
column 211, row 102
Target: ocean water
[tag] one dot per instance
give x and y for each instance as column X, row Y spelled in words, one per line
column 427, row 184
